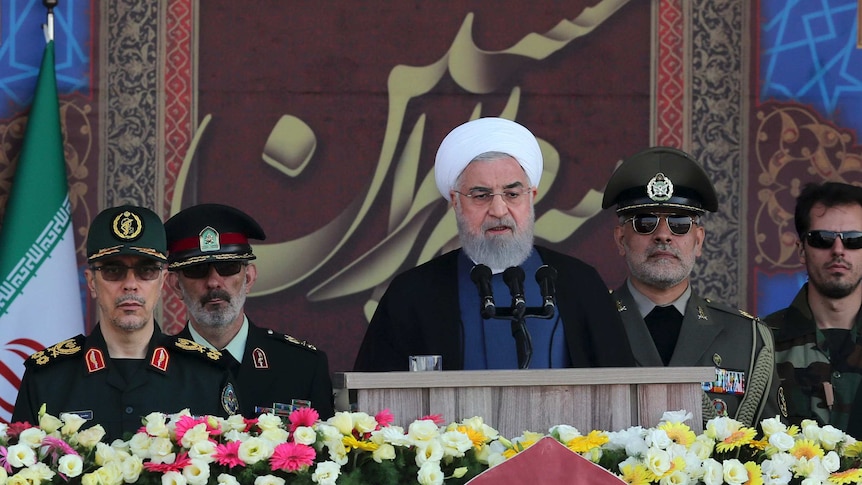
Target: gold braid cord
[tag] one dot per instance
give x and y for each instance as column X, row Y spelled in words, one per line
column 760, row 380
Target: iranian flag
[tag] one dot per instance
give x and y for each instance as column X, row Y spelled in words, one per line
column 40, row 298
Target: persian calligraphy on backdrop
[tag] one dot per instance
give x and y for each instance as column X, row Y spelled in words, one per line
column 291, row 146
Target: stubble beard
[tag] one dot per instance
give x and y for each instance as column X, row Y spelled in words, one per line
column 497, row 251
column 216, row 318
column 663, row 273
column 834, row 289
column 130, row 323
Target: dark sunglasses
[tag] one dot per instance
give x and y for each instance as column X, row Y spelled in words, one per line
column 117, row 272
column 647, row 223
column 826, row 239
column 223, row 268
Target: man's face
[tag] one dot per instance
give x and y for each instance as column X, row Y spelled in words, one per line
column 663, row 259
column 833, row 272
column 495, row 230
column 216, row 299
column 128, row 303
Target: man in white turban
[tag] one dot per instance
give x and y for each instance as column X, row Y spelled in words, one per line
column 489, row 170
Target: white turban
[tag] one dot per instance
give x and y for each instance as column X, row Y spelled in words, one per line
column 476, row 137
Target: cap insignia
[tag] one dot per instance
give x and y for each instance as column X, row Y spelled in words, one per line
column 209, row 240
column 127, row 226
column 660, row 188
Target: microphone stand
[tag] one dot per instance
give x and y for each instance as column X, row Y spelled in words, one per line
column 523, row 341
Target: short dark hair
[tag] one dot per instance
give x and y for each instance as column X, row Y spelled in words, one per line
column 829, row 194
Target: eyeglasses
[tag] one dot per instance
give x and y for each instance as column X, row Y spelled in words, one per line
column 483, row 197
column 223, row 268
column 647, row 223
column 118, row 272
column 826, row 239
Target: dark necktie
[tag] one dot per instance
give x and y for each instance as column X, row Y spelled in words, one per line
column 664, row 323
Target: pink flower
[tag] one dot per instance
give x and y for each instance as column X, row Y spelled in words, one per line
column 181, row 462
column 384, row 418
column 438, row 419
column 186, row 423
column 291, row 457
column 228, row 454
column 303, row 417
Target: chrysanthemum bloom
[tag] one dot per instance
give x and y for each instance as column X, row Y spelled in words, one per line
column 583, row 444
column 679, row 433
column 635, row 474
column 806, row 448
column 291, row 457
column 356, row 444
column 755, row 475
column 853, row 475
column 738, row 438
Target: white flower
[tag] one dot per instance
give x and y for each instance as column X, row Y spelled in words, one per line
column 71, row 423
column 197, row 472
column 20, row 455
column 49, row 423
column 680, row 416
column 364, row 423
column 657, row 461
column 203, row 450
column 383, row 452
column 810, row 429
column 630, row 440
column 713, row 472
column 274, row 436
column 775, row 473
column 195, row 434
column 326, row 473
column 234, row 435
column 70, row 465
column 110, row 474
column 156, row 424
column 104, row 454
column 234, row 422
column 32, row 437
column 131, row 468
column 677, row 477
column 139, row 445
column 566, row 432
column 90, row 436
column 254, row 450
column 430, row 473
column 269, row 421
column 392, row 434
column 773, row 425
column 429, row 451
column 658, row 438
column 268, row 480
column 721, row 427
column 40, row 472
column 173, row 478
column 422, row 430
column 702, row 447
column 495, row 459
column 343, row 422
column 225, row 479
column 831, row 462
column 830, row 436
column 162, row 450
column 304, row 435
column 734, row 472
column 455, row 443
column 781, row 441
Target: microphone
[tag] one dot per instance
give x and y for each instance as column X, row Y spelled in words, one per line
column 514, row 279
column 546, row 277
column 481, row 276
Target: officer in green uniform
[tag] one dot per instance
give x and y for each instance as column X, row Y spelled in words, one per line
column 661, row 194
column 817, row 338
column 125, row 368
column 209, row 261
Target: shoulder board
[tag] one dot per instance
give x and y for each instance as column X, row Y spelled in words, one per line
column 188, row 346
column 729, row 309
column 287, row 338
column 57, row 352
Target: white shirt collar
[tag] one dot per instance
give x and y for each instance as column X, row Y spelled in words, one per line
column 645, row 305
column 236, row 347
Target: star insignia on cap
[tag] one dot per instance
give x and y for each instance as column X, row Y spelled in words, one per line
column 660, row 188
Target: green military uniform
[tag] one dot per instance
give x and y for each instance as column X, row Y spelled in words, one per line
column 818, row 383
column 719, row 336
column 78, row 376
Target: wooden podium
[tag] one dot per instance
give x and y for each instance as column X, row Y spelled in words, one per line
column 514, row 401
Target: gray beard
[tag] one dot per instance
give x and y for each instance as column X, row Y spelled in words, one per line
column 497, row 252
column 219, row 318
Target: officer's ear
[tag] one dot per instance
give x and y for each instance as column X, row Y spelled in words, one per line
column 250, row 276
column 173, row 281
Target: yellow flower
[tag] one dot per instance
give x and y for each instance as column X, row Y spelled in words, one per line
column 635, row 474
column 583, row 444
column 854, row 450
column 853, row 475
column 755, row 477
column 738, row 438
column 351, row 442
column 680, row 433
column 476, row 437
column 759, row 445
column 806, row 449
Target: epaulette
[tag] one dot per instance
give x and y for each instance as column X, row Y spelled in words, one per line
column 729, row 309
column 55, row 353
column 287, row 338
column 185, row 345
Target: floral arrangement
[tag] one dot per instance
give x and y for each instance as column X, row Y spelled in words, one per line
column 352, row 448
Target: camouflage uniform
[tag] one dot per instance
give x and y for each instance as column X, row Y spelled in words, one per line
column 806, row 371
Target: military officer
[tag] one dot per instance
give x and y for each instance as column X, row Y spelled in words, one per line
column 660, row 196
column 125, row 368
column 209, row 258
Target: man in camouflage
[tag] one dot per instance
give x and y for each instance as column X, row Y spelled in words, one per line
column 818, row 351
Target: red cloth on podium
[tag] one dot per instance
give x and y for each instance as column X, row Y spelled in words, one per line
column 547, row 461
